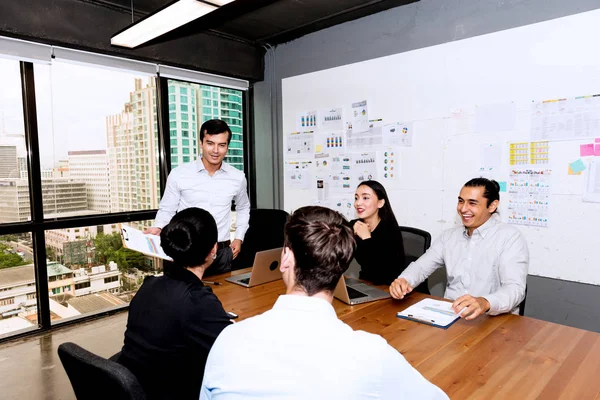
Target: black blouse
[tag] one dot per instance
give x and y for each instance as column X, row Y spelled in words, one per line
column 172, row 324
column 381, row 257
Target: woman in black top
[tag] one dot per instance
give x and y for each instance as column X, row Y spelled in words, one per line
column 174, row 319
column 379, row 246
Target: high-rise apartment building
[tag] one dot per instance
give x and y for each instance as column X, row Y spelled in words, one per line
column 183, row 122
column 9, row 167
column 132, row 140
column 225, row 104
column 91, row 167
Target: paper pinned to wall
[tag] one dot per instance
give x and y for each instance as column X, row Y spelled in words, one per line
column 306, row 121
column 398, row 134
column 328, row 142
column 591, row 192
column 365, row 167
column 297, row 174
column 389, row 167
column 371, row 137
column 300, row 144
column 359, row 119
column 529, row 197
column 490, row 157
column 343, row 205
column 331, row 119
column 566, row 119
column 462, row 122
column 495, row 117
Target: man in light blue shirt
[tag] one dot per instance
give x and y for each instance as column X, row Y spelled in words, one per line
column 209, row 183
column 486, row 260
column 300, row 349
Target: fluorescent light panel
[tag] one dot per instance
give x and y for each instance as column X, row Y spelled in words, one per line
column 174, row 16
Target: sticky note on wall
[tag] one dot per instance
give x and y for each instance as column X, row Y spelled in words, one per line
column 586, row 150
column 597, row 150
column 576, row 167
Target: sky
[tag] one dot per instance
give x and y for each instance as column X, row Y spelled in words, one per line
column 72, row 104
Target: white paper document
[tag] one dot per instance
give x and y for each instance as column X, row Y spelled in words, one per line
column 431, row 312
column 592, row 185
column 136, row 240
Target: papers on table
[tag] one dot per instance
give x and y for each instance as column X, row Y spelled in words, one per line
column 136, row 240
column 432, row 312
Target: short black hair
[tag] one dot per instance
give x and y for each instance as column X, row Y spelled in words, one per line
column 189, row 237
column 215, row 127
column 491, row 189
column 323, row 245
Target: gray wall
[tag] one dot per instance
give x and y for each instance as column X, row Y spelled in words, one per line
column 422, row 24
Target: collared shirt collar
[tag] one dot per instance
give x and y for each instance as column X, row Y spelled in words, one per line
column 201, row 166
column 485, row 228
column 305, row 304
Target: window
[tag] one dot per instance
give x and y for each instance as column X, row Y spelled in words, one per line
column 6, row 302
column 101, row 166
column 186, row 159
column 185, row 133
column 185, row 150
column 183, row 90
column 111, row 279
column 184, row 108
column 184, row 116
column 82, row 285
column 185, row 142
column 173, row 143
column 183, row 99
column 172, row 98
column 185, row 125
column 14, row 187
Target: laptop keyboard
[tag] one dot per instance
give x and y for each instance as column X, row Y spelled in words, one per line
column 354, row 294
column 246, row 281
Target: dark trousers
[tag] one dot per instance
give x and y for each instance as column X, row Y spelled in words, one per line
column 222, row 263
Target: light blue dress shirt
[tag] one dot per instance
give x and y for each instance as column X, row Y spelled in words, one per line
column 301, row 350
column 190, row 185
column 491, row 263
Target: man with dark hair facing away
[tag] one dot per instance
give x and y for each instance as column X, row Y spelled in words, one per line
column 486, row 260
column 300, row 349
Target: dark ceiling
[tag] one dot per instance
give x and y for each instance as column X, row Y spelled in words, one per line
column 263, row 22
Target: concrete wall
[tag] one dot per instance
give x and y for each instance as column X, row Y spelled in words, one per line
column 418, row 25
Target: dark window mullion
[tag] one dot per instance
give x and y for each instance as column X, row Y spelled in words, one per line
column 248, row 138
column 35, row 192
column 164, row 143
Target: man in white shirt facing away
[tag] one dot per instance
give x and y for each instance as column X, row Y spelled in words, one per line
column 300, row 349
column 486, row 260
column 211, row 184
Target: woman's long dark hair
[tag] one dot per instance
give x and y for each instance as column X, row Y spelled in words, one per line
column 385, row 213
column 189, row 237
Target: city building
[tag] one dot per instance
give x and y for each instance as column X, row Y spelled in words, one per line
column 132, row 140
column 9, row 167
column 91, row 167
column 183, row 120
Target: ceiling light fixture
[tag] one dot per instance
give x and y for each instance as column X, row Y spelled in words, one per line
column 172, row 16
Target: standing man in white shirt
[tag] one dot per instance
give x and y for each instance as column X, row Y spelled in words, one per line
column 486, row 260
column 211, row 184
column 300, row 349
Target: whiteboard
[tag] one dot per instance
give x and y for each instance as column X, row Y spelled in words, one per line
column 517, row 67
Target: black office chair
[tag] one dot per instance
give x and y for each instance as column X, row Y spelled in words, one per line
column 416, row 242
column 94, row 377
column 522, row 305
column 265, row 232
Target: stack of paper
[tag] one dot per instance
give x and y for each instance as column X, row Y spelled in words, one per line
column 432, row 312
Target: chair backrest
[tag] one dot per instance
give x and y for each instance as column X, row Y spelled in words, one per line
column 265, row 232
column 94, row 377
column 416, row 242
column 522, row 305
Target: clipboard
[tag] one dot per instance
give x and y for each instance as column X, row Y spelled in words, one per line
column 432, row 312
column 136, row 240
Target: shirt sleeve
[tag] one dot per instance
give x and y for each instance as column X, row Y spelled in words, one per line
column 401, row 380
column 513, row 267
column 168, row 204
column 419, row 270
column 242, row 209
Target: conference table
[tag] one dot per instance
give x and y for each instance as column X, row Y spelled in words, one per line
column 501, row 357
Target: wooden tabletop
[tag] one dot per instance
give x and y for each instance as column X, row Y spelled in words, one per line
column 501, row 357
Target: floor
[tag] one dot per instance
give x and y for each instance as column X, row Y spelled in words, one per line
column 30, row 367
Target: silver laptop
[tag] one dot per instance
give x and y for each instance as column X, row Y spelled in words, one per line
column 265, row 269
column 352, row 291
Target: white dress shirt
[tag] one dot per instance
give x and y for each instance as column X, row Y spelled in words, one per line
column 491, row 263
column 190, row 185
column 301, row 350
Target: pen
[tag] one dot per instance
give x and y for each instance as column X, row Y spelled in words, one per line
column 212, row 283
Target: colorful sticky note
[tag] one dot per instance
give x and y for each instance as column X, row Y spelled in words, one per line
column 319, row 148
column 586, row 150
column 577, row 166
column 597, row 140
column 597, row 150
column 502, row 186
column 573, row 173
